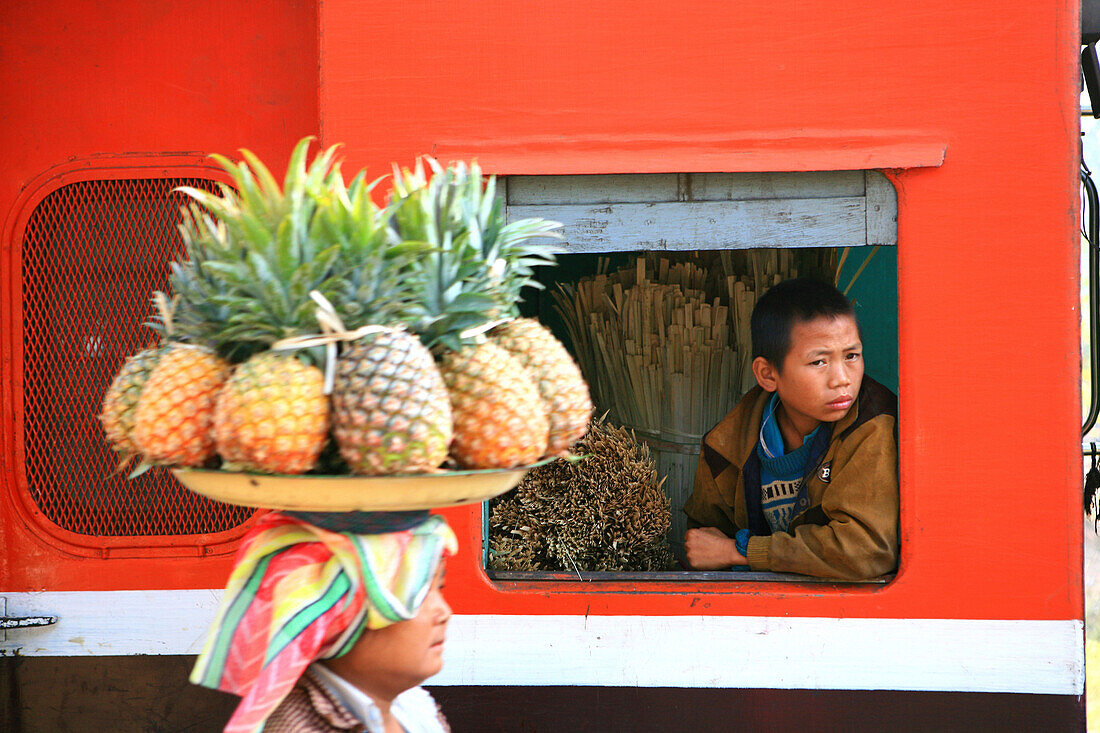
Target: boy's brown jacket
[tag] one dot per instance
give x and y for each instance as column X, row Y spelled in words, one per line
column 850, row 529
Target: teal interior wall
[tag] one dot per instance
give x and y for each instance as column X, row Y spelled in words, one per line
column 874, row 293
column 875, row 297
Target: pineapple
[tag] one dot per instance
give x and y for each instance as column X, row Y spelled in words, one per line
column 560, row 384
column 272, row 415
column 254, row 255
column 391, row 413
column 120, row 402
column 563, row 390
column 391, row 410
column 512, row 255
column 499, row 418
column 172, row 422
column 172, row 418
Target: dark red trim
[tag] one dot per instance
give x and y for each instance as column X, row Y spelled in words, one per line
column 606, row 709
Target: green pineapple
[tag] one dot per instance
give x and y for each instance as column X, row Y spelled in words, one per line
column 499, row 418
column 391, row 413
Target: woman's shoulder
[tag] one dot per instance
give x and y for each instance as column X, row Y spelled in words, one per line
column 310, row 708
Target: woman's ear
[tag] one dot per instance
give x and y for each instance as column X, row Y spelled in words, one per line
column 765, row 373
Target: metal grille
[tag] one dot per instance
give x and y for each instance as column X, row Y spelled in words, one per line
column 92, row 254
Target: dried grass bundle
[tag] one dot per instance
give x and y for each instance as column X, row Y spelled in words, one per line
column 605, row 512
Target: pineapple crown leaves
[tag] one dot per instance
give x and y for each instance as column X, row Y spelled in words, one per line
column 191, row 319
column 512, row 249
column 276, row 222
column 477, row 263
column 164, row 311
column 374, row 266
column 255, row 252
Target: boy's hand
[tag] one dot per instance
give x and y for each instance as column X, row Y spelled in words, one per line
column 708, row 548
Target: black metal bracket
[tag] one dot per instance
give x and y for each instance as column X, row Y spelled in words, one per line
column 1090, row 225
column 1090, row 69
column 22, row 622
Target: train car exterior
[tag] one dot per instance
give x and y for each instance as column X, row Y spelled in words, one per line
column 970, row 112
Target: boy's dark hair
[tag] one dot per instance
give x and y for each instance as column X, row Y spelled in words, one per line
column 786, row 304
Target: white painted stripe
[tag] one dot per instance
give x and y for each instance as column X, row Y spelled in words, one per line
column 103, row 623
column 1022, row 656
column 773, row 653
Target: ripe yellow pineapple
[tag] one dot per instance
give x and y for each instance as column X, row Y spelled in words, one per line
column 272, row 415
column 175, row 414
column 499, row 418
column 120, row 402
column 560, row 384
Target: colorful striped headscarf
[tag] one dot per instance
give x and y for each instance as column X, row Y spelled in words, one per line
column 299, row 593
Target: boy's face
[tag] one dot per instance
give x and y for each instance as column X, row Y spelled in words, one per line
column 822, row 372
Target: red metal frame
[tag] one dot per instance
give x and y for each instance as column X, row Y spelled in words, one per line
column 14, row 484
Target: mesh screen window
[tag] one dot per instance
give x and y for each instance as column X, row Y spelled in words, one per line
column 93, row 252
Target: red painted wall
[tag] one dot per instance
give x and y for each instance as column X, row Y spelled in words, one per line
column 987, row 252
column 987, row 241
column 86, row 83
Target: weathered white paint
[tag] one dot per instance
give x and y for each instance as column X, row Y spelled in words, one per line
column 758, row 186
column 646, row 188
column 690, row 225
column 882, row 210
column 1021, row 656
column 690, row 211
column 665, row 187
column 111, row 622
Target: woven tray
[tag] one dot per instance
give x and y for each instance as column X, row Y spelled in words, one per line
column 406, row 492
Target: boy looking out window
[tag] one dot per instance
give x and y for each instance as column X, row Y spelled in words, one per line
column 801, row 476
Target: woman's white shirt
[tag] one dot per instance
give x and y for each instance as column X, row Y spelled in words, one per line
column 414, row 709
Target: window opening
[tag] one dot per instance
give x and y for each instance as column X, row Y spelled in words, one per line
column 653, row 297
column 92, row 253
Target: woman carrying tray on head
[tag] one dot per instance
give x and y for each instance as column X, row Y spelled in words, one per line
column 333, row 629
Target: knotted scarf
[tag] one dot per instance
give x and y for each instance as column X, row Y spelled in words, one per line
column 299, row 593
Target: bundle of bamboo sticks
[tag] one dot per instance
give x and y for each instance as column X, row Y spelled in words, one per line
column 665, row 342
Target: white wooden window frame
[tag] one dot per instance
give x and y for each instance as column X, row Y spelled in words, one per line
column 700, row 211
